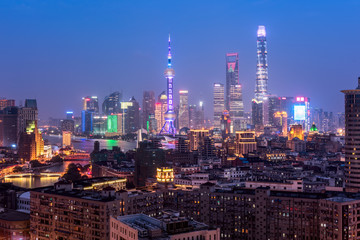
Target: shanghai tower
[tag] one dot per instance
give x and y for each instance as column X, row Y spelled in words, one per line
column 261, row 90
column 262, row 66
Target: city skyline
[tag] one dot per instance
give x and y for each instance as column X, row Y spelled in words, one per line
column 41, row 56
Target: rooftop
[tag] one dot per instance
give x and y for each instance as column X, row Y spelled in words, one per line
column 12, row 215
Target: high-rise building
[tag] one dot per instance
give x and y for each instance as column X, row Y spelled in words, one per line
column 148, row 158
column 261, row 86
column 169, row 126
column 6, row 103
column 219, row 103
column 196, row 138
column 9, row 126
column 68, row 125
column 296, row 131
column 66, row 138
column 87, row 122
column 31, row 143
column 352, row 145
column 236, row 109
column 261, row 89
column 27, row 113
column 183, row 109
column 148, row 107
column 91, row 104
column 132, row 117
column 232, row 75
column 99, row 124
column 111, row 104
column 196, row 116
column 69, row 115
column 245, row 142
column 160, row 110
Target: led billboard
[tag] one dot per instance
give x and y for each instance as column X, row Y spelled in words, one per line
column 299, row 112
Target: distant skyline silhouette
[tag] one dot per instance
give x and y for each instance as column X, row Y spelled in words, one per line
column 61, row 51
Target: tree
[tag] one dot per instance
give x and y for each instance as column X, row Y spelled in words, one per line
column 17, row 169
column 72, row 173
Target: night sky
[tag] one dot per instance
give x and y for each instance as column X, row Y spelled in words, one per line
column 60, row 51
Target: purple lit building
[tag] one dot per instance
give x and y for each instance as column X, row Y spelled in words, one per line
column 169, row 127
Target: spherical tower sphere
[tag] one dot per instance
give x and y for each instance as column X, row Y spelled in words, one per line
column 169, row 73
column 170, row 115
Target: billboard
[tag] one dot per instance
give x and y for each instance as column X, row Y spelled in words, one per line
column 299, row 112
column 112, row 126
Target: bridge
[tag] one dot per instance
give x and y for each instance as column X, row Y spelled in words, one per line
column 34, row 175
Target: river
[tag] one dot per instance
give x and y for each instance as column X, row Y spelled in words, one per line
column 83, row 144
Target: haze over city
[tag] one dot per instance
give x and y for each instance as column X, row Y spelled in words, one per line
column 59, row 52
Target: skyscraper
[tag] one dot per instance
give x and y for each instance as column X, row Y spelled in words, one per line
column 148, row 107
column 91, row 104
column 233, row 97
column 9, row 126
column 132, row 117
column 232, row 75
column 219, row 103
column 169, row 126
column 236, row 109
column 261, row 90
column 111, row 104
column 160, row 110
column 352, row 145
column 183, row 109
column 27, row 113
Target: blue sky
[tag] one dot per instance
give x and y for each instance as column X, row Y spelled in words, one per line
column 60, row 51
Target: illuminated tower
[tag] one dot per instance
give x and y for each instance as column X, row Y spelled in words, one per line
column 261, row 91
column 169, row 127
column 262, row 66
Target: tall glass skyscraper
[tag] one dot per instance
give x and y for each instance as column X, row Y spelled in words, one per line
column 219, row 103
column 261, row 90
column 232, row 75
column 183, row 109
column 233, row 97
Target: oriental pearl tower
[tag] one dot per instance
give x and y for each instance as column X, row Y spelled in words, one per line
column 169, row 127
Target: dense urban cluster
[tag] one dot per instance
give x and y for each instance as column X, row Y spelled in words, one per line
column 286, row 170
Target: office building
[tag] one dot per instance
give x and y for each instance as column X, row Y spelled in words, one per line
column 352, row 145
column 148, row 158
column 70, row 115
column 66, row 138
column 296, row 131
column 6, row 103
column 91, row 104
column 31, row 143
column 148, row 107
column 27, row 113
column 160, row 110
column 87, row 122
column 219, row 103
column 111, row 104
column 132, row 117
column 261, row 86
column 9, row 126
column 68, row 125
column 99, row 124
column 236, row 106
column 169, row 125
column 245, row 142
column 196, row 138
column 183, row 116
